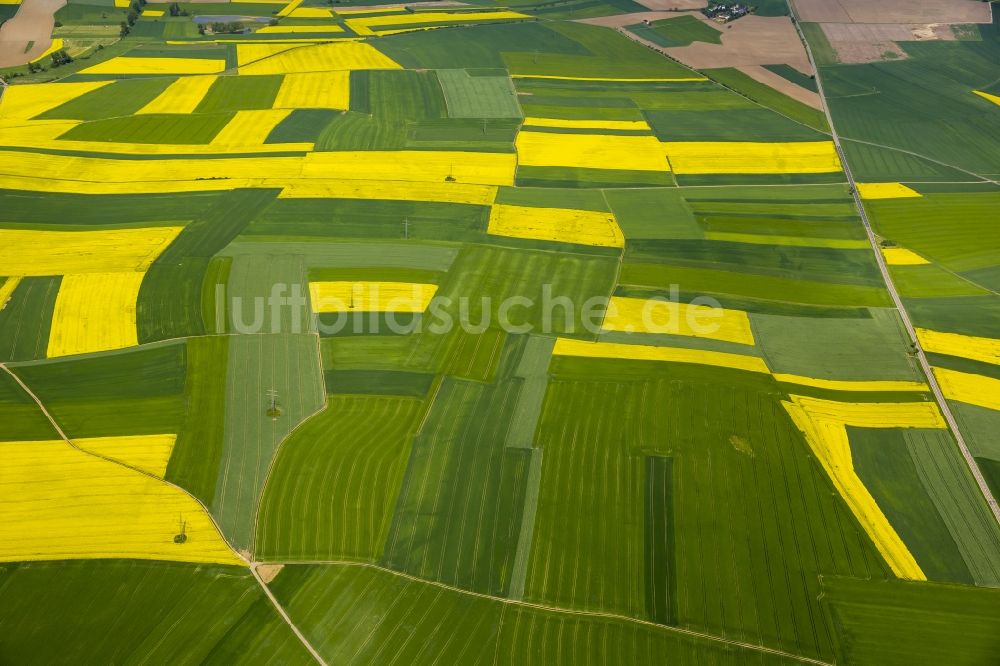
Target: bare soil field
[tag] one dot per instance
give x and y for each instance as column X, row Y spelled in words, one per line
column 32, row 23
column 783, row 85
column 893, row 11
column 622, row 20
column 871, row 42
column 752, row 40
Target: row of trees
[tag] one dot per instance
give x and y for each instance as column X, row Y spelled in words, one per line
column 134, row 10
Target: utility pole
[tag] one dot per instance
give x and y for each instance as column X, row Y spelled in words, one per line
column 272, row 409
column 406, row 228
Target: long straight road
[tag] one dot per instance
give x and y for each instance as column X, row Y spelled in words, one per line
column 921, row 356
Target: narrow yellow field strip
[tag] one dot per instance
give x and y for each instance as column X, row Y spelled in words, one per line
column 153, row 13
column 94, row 175
column 60, row 503
column 824, row 424
column 150, row 453
column 636, row 125
column 182, row 96
column 278, row 29
column 900, row 256
column 250, row 128
column 616, row 350
column 787, row 241
column 988, row 97
column 130, row 65
column 24, row 101
column 29, row 252
column 314, row 90
column 369, row 25
column 969, row 388
column 986, row 350
column 396, row 9
column 639, row 315
column 94, row 312
column 481, row 195
column 7, row 288
column 707, row 157
column 583, row 227
column 872, row 386
column 875, row 191
column 370, row 296
column 590, row 151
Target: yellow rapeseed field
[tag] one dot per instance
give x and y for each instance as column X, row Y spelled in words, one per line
column 94, row 312
column 639, row 315
column 969, row 388
column 431, row 166
column 61, row 503
column 824, row 424
column 874, row 191
column 314, row 90
column 149, row 453
column 985, row 350
column 249, row 52
column 130, row 65
column 988, row 97
column 370, row 296
column 590, row 151
column 250, row 127
column 872, row 386
column 7, row 288
column 566, row 225
column 331, row 56
column 289, row 8
column 310, row 13
column 900, row 256
column 57, row 44
column 617, row 350
column 282, row 29
column 369, row 25
column 707, row 157
column 181, row 96
column 21, row 102
column 482, row 195
column 98, row 175
column 30, row 252
column 636, row 125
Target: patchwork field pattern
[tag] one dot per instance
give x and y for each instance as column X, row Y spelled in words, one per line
column 481, row 334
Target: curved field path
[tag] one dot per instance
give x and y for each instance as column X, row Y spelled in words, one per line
column 32, row 23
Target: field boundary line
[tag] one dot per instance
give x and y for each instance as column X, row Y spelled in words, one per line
column 568, row 611
column 251, row 565
column 984, row 179
column 65, row 438
column 891, row 287
column 284, row 615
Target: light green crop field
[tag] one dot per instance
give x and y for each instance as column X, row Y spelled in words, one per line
column 493, row 335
